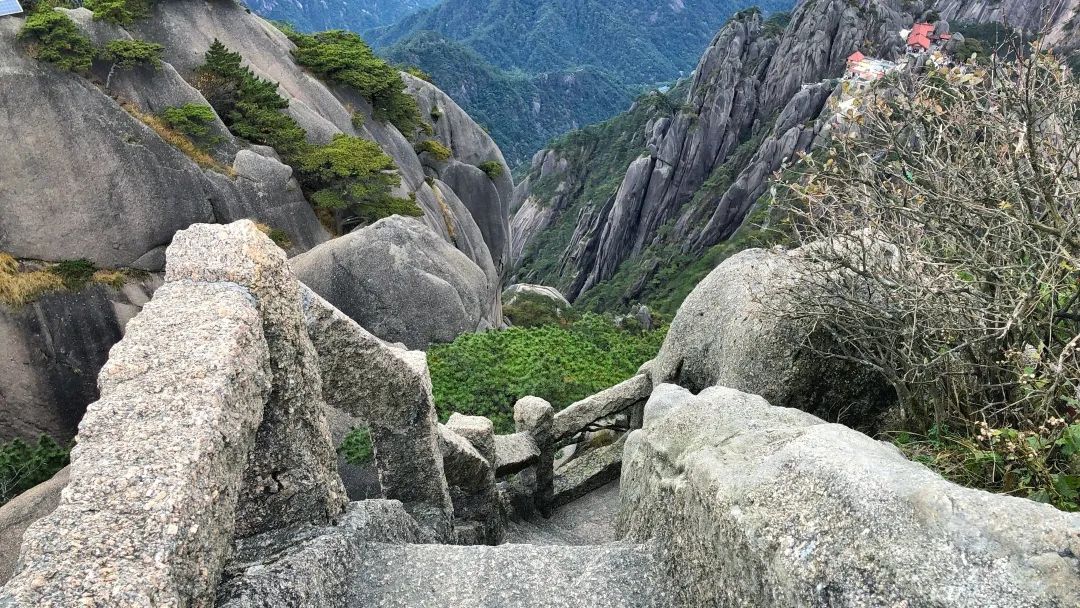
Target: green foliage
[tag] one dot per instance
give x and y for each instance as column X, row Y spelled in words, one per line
column 1041, row 464
column 486, row 373
column 435, row 148
column 357, row 447
column 192, row 120
column 418, row 73
column 250, row 106
column 119, row 12
column 344, row 57
column 534, row 310
column 128, row 54
column 55, row 38
column 74, row 273
column 23, row 466
column 358, row 119
column 354, row 173
column 503, row 100
column 492, row 168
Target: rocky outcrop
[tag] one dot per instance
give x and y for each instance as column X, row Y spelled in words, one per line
column 17, row 514
column 754, row 505
column 53, row 350
column 731, row 331
column 523, row 290
column 757, row 99
column 291, row 477
column 156, row 476
column 402, row 282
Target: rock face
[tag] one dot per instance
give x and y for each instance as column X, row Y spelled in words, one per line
column 291, row 477
column 754, row 505
column 53, row 350
column 17, row 514
column 402, row 282
column 730, row 332
column 203, row 410
column 514, row 292
column 756, row 99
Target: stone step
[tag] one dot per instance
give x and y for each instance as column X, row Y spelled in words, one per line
column 534, row 576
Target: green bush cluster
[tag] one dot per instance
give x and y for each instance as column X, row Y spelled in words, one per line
column 120, row 12
column 128, row 54
column 345, row 58
column 435, row 148
column 55, row 38
column 486, row 373
column 74, row 273
column 192, row 120
column 492, row 168
column 354, row 173
column 348, row 173
column 532, row 310
column 357, row 448
column 23, row 466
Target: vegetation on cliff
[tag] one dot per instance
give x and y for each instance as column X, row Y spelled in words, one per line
column 949, row 264
column 485, row 374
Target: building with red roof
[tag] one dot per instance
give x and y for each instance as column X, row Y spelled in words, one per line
column 920, row 37
column 855, row 57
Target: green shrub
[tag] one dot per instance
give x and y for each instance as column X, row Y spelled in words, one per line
column 358, row 120
column 24, row 466
column 345, row 58
column 120, row 12
column 533, row 310
column 250, row 106
column 435, row 148
column 357, row 447
column 354, row 173
column 486, row 373
column 492, row 168
column 192, row 120
column 128, row 54
column 75, row 273
column 55, row 38
column 418, row 73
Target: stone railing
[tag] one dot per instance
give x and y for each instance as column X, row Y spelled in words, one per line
column 211, row 429
column 560, row 452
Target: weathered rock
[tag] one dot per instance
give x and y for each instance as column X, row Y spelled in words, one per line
column 614, row 400
column 471, row 145
column 402, row 282
column 729, row 332
column 53, row 350
column 312, row 566
column 514, row 292
column 471, row 478
column 391, row 393
column 148, row 516
column 17, row 514
column 514, row 453
column 477, row 430
column 292, row 472
column 754, row 505
column 433, row 576
column 592, row 470
column 114, row 189
column 536, row 417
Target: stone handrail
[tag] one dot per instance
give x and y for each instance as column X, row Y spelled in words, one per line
column 211, row 429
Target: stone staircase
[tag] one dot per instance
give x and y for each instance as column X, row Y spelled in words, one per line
column 537, row 576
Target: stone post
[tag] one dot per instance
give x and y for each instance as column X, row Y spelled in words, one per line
column 535, row 416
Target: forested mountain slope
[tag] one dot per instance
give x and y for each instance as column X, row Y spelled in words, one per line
column 356, row 15
column 697, row 169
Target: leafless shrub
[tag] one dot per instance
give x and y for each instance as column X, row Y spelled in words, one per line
column 943, row 246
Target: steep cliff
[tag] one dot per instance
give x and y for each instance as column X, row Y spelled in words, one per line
column 92, row 173
column 755, row 100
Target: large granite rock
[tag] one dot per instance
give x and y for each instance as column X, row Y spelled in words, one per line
column 17, row 514
column 291, row 476
column 730, row 332
column 754, row 505
column 148, row 516
column 402, row 282
column 53, row 349
column 388, row 389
